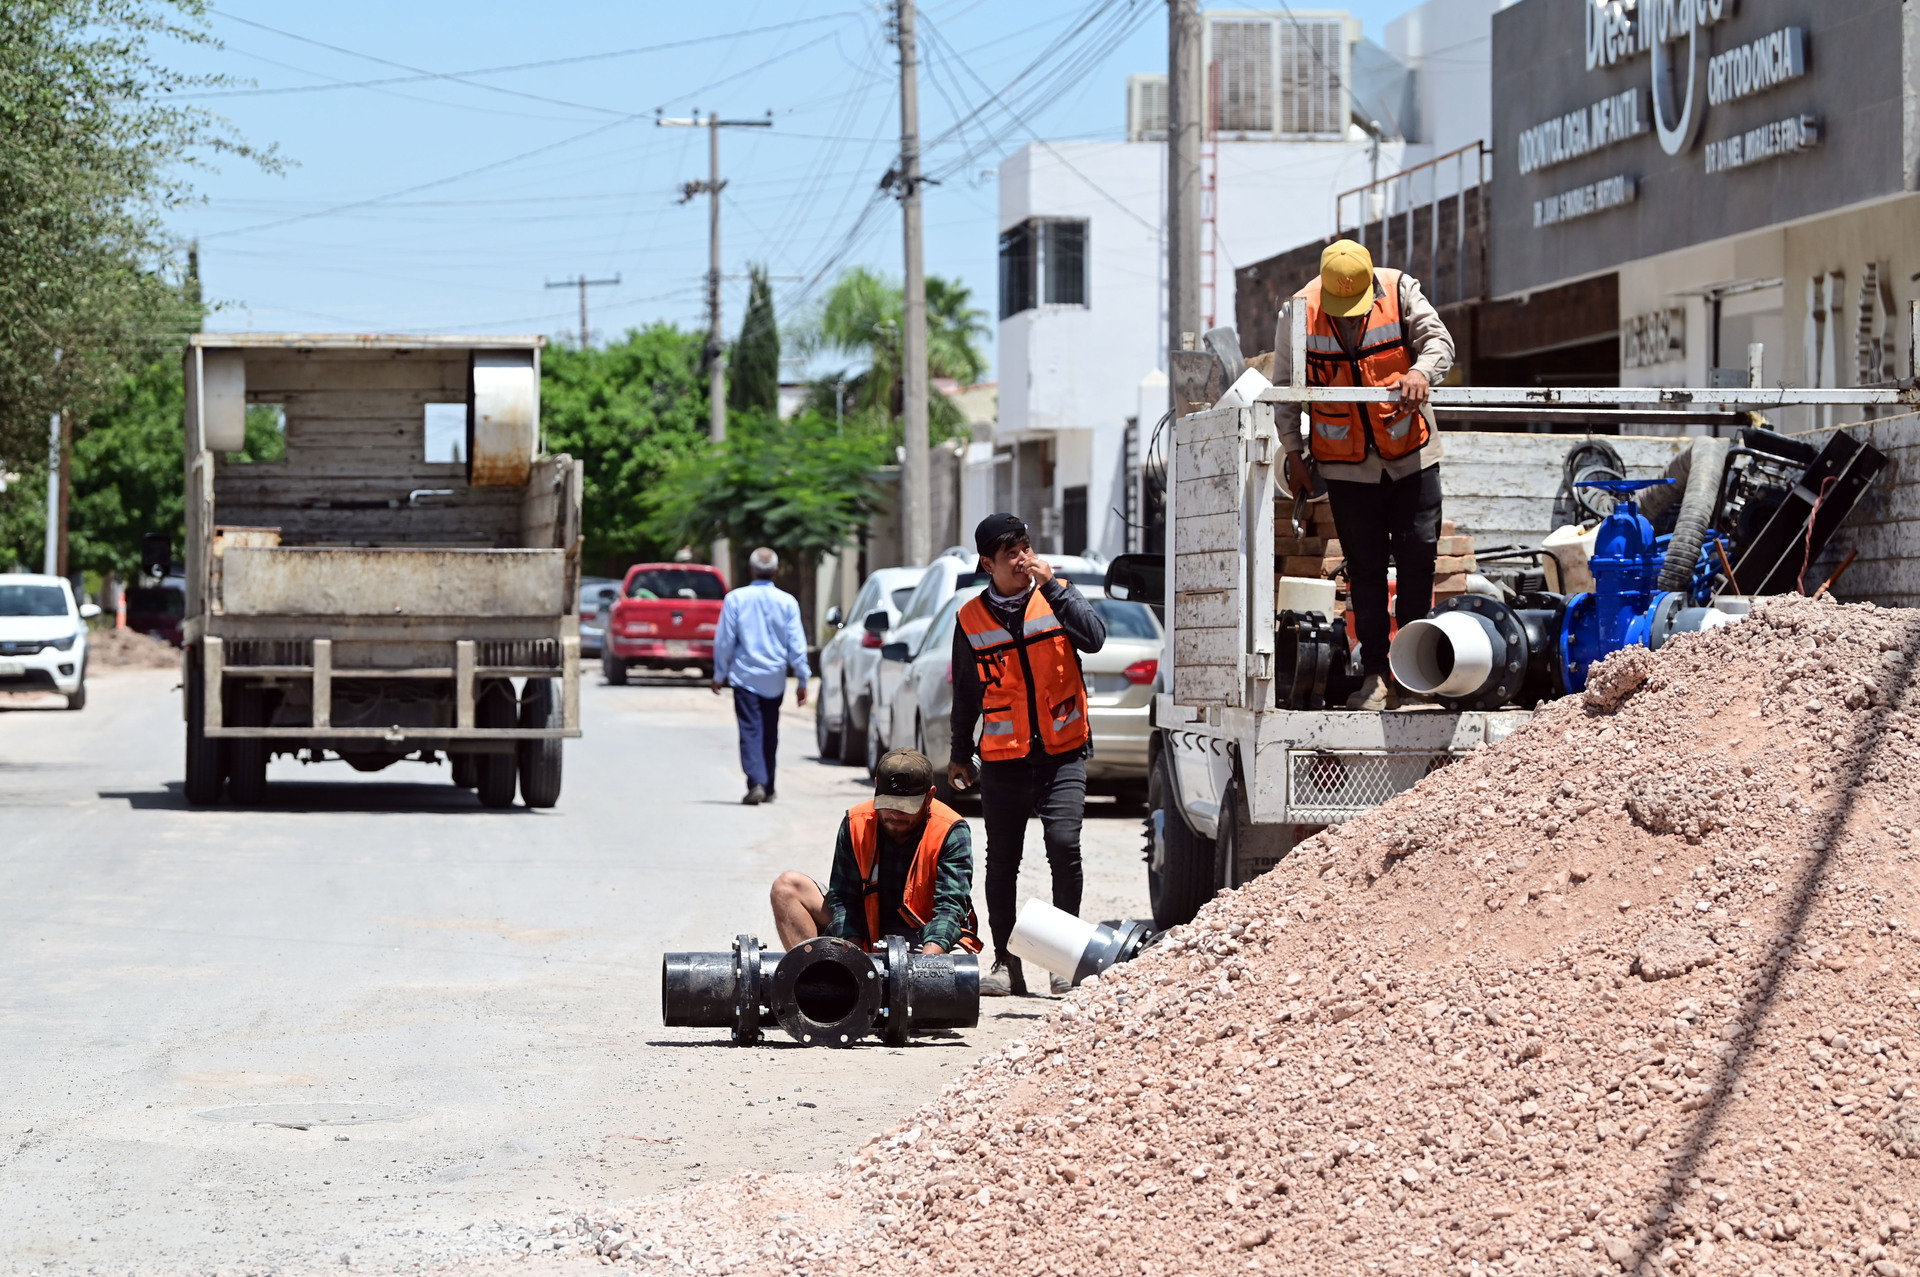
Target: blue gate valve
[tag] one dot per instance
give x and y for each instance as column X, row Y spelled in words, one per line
column 1626, row 582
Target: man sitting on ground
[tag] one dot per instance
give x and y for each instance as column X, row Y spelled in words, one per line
column 903, row 865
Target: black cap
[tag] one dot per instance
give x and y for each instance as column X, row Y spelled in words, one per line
column 994, row 528
column 901, row 781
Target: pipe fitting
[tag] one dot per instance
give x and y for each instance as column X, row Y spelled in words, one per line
column 1073, row 948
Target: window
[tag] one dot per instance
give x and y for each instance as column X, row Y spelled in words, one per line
column 1073, row 519
column 669, row 583
column 32, row 600
column 446, row 432
column 900, row 597
column 1043, row 262
column 1125, row 620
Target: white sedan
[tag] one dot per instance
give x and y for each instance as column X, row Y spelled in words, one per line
column 43, row 637
column 1119, row 689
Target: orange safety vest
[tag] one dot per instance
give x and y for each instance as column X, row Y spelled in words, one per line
column 863, row 829
column 1040, row 686
column 1384, row 351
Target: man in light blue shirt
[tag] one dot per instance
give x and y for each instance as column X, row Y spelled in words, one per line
column 760, row 638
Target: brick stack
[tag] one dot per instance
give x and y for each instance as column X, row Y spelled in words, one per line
column 1304, row 556
column 1455, row 561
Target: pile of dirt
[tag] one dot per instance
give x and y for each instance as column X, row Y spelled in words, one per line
column 130, row 649
column 1631, row 990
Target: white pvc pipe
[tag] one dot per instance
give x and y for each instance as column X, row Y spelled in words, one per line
column 1421, row 661
column 1050, row 938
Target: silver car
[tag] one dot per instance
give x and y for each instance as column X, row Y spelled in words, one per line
column 840, row 707
column 1119, row 681
column 597, row 594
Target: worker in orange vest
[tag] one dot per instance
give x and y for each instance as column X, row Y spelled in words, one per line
column 1371, row 327
column 902, row 865
column 1016, row 674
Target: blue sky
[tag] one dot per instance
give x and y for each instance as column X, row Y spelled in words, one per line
column 422, row 203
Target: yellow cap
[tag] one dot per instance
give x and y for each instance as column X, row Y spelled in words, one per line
column 1346, row 279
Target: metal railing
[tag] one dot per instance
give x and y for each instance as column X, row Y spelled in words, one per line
column 1398, row 196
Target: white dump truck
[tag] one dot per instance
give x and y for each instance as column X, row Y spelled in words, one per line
column 399, row 584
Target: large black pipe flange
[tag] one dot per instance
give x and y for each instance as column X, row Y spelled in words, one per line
column 746, row 990
column 826, row 992
column 899, row 1011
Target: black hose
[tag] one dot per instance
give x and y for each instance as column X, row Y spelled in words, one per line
column 1707, row 461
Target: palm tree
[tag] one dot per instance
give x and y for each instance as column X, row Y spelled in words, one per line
column 860, row 318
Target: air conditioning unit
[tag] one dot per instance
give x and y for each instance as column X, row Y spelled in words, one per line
column 1146, row 108
column 1278, row 75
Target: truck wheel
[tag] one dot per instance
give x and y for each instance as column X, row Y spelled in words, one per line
column 826, row 741
column 206, row 771
column 540, row 759
column 465, row 772
column 615, row 670
column 1180, row 863
column 247, row 756
column 495, row 773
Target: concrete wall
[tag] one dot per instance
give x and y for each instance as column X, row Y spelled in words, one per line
column 1500, row 488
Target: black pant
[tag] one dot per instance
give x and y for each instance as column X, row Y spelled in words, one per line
column 1397, row 518
column 759, row 720
column 1054, row 789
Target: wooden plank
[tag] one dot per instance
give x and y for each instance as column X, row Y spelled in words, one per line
column 1206, row 685
column 1213, row 494
column 1206, row 647
column 269, row 374
column 1199, row 534
column 1208, row 455
column 1206, row 609
column 307, row 582
column 1200, row 571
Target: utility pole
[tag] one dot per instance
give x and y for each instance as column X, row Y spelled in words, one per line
column 583, row 284
column 716, row 345
column 1185, row 95
column 916, row 488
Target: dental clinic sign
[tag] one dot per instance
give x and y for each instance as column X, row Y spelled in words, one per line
column 1628, row 128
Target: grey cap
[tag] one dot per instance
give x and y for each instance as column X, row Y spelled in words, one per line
column 901, row 781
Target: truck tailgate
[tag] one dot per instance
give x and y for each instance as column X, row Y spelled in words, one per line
column 325, row 581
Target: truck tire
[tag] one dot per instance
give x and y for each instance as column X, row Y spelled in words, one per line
column 495, row 774
column 465, row 772
column 206, row 770
column 1706, row 464
column 1180, row 863
column 247, row 755
column 615, row 670
column 540, row 759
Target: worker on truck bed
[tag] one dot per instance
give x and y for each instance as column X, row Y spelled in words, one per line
column 1368, row 327
column 903, row 865
column 1016, row 671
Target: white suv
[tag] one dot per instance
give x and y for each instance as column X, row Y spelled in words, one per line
column 43, row 637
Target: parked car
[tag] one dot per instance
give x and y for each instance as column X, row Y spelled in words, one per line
column 1119, row 689
column 43, row 637
column 664, row 619
column 159, row 610
column 597, row 595
column 847, row 659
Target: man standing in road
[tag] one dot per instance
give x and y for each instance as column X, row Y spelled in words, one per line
column 1016, row 671
column 758, row 640
column 903, row 865
column 1368, row 327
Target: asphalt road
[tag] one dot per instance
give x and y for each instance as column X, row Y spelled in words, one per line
column 374, row 1024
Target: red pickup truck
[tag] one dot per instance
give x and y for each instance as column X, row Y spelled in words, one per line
column 664, row 619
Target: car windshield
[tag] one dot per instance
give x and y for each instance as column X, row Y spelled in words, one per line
column 32, row 600
column 901, row 595
column 156, row 599
column 666, row 583
column 1125, row 620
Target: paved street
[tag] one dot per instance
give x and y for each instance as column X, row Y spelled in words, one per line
column 371, row 1020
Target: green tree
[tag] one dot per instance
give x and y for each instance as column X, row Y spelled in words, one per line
column 860, row 317
column 630, row 412
column 753, row 371
column 94, row 149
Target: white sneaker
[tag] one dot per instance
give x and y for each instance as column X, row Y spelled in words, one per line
column 1376, row 693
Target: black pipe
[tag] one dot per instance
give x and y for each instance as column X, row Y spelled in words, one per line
column 826, row 992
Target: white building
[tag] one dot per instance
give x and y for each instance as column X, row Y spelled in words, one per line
column 1304, row 111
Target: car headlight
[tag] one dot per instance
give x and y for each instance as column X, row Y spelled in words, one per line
column 64, row 644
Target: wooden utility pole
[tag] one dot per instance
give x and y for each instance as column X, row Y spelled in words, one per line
column 1186, row 85
column 716, row 344
column 915, row 479
column 583, row 284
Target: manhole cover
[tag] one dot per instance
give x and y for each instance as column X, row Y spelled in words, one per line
column 301, row 1117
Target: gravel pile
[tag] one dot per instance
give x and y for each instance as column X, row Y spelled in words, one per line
column 1632, row 990
column 130, row 649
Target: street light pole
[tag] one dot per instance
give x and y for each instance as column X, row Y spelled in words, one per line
column 716, row 344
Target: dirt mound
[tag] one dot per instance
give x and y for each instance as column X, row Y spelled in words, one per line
column 130, row 649
column 1630, row 990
